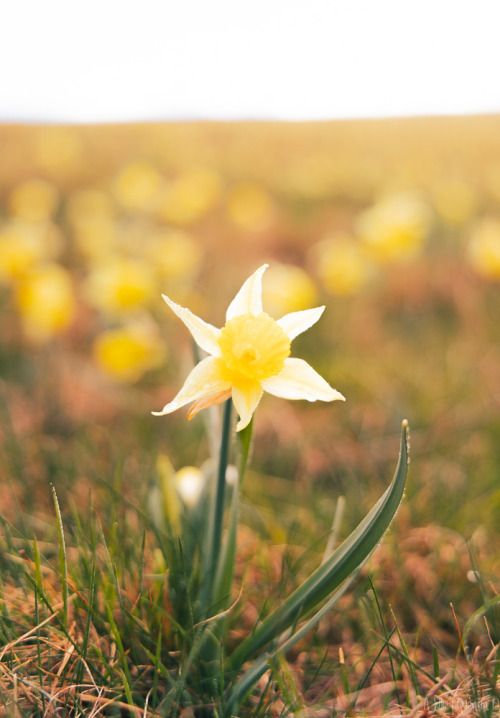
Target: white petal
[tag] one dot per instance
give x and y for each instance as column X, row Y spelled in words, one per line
column 205, row 335
column 203, row 380
column 249, row 298
column 298, row 380
column 297, row 322
column 245, row 402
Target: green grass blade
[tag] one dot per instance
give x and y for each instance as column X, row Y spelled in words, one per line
column 479, row 613
column 387, row 634
column 157, row 661
column 368, row 673
column 62, row 558
column 121, row 651
column 409, row 662
column 127, row 688
column 38, row 649
column 351, row 554
column 86, row 633
column 435, row 662
column 289, row 691
column 38, row 565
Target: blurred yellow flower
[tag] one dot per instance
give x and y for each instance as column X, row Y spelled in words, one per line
column 173, row 253
column 341, row 265
column 23, row 245
column 249, row 355
column 96, row 238
column 59, row 149
column 46, row 301
column 120, row 285
column 455, row 200
column 19, row 250
column 484, row 247
column 91, row 215
column 395, row 228
column 137, row 186
column 33, row 201
column 310, row 176
column 190, row 196
column 492, row 177
column 88, row 205
column 127, row 353
column 287, row 288
column 250, row 207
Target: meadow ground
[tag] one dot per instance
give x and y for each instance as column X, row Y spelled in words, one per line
column 395, row 227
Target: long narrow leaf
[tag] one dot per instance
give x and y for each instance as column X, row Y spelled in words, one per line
column 62, row 558
column 355, row 549
column 244, row 685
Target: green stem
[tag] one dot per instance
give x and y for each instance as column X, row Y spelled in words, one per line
column 245, row 442
column 221, row 594
column 217, row 517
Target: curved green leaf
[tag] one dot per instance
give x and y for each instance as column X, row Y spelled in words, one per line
column 336, row 569
column 260, row 665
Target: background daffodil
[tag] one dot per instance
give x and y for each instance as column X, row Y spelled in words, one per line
column 249, row 355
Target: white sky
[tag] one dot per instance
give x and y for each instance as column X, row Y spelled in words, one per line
column 116, row 60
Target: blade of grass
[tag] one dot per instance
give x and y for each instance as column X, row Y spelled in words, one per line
column 126, row 686
column 435, row 662
column 38, row 587
column 119, row 644
column 481, row 611
column 125, row 614
column 406, row 654
column 157, row 662
column 38, row 565
column 107, row 674
column 38, row 647
column 282, row 674
column 365, row 678
column 343, row 672
column 386, row 638
column 62, row 558
column 317, row 671
column 86, row 632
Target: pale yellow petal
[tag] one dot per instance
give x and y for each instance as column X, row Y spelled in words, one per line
column 203, row 380
column 245, row 402
column 204, row 334
column 298, row 380
column 297, row 322
column 249, row 298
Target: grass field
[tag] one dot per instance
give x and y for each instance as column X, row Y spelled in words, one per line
column 394, row 226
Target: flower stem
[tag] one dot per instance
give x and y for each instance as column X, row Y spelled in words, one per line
column 217, row 514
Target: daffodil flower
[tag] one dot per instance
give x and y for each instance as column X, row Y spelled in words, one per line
column 249, row 355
